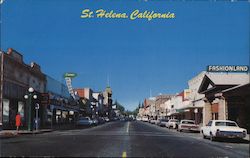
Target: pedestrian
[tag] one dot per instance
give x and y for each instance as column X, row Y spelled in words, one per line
column 18, row 121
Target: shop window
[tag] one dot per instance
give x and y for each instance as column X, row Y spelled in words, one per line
column 215, row 116
column 6, row 110
column 21, row 109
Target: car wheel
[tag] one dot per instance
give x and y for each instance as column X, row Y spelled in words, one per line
column 212, row 138
column 204, row 137
column 180, row 130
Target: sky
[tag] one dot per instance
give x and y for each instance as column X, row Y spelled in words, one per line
column 137, row 56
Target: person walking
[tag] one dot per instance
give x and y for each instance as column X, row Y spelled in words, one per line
column 18, row 121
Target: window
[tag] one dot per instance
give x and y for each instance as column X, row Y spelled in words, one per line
column 209, row 123
column 21, row 108
column 232, row 124
column 6, row 110
column 215, row 116
column 188, row 122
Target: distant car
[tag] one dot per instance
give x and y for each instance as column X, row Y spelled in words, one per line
column 138, row 118
column 188, row 125
column 106, row 119
column 157, row 121
column 101, row 120
column 84, row 121
column 122, row 119
column 172, row 123
column 152, row 121
column 145, row 119
column 95, row 121
column 162, row 122
column 223, row 129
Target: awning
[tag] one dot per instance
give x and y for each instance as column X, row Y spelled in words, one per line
column 62, row 108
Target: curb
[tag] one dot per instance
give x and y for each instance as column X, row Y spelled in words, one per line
column 9, row 134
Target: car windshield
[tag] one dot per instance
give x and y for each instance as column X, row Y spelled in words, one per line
column 187, row 122
column 84, row 118
column 164, row 120
column 174, row 121
column 232, row 124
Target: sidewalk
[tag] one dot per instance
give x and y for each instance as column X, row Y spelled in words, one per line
column 14, row 133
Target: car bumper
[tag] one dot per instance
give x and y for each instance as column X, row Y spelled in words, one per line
column 230, row 135
column 191, row 129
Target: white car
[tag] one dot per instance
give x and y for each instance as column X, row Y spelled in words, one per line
column 223, row 129
column 152, row 121
column 172, row 123
column 188, row 125
column 145, row 119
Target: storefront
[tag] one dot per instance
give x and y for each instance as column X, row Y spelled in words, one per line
column 16, row 78
column 225, row 96
column 238, row 103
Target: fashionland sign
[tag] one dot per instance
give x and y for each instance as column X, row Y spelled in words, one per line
column 227, row 68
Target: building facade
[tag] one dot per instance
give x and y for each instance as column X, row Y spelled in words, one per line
column 214, row 86
column 60, row 107
column 16, row 78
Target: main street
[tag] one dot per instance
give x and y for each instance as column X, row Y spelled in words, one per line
column 121, row 139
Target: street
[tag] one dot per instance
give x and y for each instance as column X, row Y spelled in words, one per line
column 121, row 139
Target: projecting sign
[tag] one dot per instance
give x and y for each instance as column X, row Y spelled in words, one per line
column 70, row 75
column 227, row 68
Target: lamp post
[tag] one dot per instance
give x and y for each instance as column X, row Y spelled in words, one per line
column 29, row 97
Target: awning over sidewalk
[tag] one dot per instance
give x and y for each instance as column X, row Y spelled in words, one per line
column 52, row 107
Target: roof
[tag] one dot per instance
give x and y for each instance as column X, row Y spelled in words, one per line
column 228, row 78
column 222, row 81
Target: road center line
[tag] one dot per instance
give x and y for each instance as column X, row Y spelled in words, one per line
column 124, row 154
column 128, row 127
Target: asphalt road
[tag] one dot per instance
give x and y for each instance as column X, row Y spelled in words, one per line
column 121, row 139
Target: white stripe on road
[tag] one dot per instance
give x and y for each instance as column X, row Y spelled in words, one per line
column 128, row 127
column 227, row 146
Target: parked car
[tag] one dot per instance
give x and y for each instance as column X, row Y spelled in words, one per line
column 152, row 121
column 84, row 121
column 101, row 120
column 162, row 122
column 95, row 121
column 172, row 123
column 188, row 125
column 145, row 119
column 106, row 119
column 138, row 118
column 223, row 129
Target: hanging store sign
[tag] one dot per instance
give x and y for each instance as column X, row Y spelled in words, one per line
column 70, row 75
column 70, row 88
column 227, row 68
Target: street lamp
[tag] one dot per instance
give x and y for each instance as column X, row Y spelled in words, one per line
column 29, row 98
